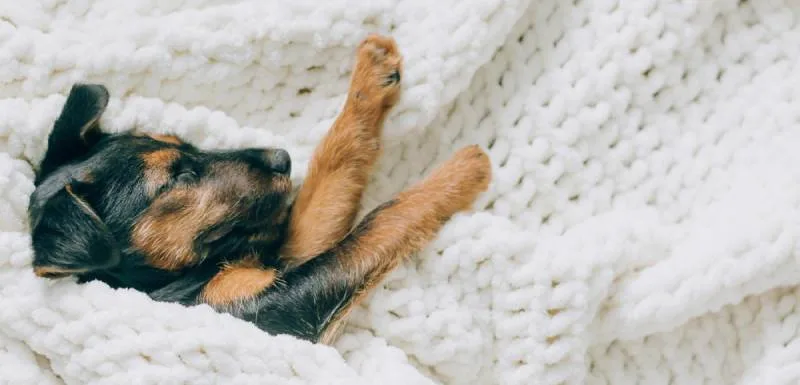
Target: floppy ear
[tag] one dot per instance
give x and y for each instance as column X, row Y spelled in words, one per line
column 77, row 128
column 68, row 237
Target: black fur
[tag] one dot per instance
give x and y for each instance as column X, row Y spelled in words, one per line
column 77, row 128
column 310, row 296
column 105, row 174
column 90, row 192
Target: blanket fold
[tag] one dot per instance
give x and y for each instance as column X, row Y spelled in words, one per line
column 642, row 225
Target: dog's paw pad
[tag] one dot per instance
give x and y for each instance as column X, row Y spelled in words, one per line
column 378, row 70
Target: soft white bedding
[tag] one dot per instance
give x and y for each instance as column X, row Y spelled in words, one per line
column 642, row 225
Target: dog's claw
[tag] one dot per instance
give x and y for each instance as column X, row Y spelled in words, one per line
column 393, row 78
column 378, row 70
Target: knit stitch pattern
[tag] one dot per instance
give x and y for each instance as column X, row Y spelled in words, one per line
column 642, row 225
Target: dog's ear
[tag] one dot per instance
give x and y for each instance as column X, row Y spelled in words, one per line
column 69, row 237
column 77, row 128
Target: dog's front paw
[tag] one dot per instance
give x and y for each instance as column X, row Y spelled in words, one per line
column 377, row 74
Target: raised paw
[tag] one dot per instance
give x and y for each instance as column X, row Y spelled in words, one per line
column 455, row 185
column 469, row 170
column 377, row 73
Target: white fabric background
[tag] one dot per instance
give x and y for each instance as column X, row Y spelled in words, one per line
column 641, row 227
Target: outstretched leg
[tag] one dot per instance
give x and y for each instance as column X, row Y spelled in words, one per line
column 313, row 300
column 329, row 199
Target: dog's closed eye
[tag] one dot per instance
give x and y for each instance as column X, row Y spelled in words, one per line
column 186, row 177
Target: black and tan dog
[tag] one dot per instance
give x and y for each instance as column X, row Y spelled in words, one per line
column 156, row 214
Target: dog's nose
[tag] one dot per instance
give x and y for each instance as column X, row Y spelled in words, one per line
column 275, row 159
column 279, row 161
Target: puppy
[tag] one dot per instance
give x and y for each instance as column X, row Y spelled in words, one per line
column 154, row 213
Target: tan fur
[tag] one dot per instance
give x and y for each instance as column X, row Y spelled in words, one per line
column 167, row 237
column 156, row 168
column 412, row 221
column 323, row 213
column 85, row 207
column 328, row 201
column 167, row 230
column 238, row 282
column 171, row 139
column 55, row 271
column 91, row 127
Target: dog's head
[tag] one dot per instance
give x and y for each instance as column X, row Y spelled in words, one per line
column 104, row 201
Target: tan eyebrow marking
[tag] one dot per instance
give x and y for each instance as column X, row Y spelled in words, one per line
column 171, row 139
column 156, row 168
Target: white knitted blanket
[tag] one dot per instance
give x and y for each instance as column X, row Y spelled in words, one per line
column 642, row 225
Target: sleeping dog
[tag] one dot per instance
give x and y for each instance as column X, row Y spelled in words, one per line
column 155, row 213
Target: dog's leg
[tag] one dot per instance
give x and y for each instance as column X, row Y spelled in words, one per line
column 313, row 300
column 328, row 201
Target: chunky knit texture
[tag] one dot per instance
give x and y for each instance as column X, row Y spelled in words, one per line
column 642, row 226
